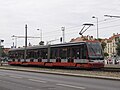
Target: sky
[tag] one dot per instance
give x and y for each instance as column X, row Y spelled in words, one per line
column 50, row 15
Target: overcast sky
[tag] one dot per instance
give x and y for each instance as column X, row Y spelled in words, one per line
column 51, row 15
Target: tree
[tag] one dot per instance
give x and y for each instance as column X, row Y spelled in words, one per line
column 103, row 44
column 118, row 47
column 106, row 54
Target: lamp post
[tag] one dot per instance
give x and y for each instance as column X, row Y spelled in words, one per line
column 63, row 30
column 40, row 34
column 13, row 44
column 15, row 38
column 97, row 26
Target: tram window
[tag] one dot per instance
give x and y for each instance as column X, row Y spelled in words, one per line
column 22, row 55
column 68, row 52
column 16, row 55
column 75, row 52
column 19, row 54
column 51, row 53
column 79, row 52
column 63, row 53
column 35, row 54
column 30, row 54
column 38, row 54
column 11, row 55
column 44, row 53
column 54, row 53
column 84, row 52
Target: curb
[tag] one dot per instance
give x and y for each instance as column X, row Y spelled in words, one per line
column 65, row 74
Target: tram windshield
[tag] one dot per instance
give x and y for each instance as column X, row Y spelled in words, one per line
column 95, row 50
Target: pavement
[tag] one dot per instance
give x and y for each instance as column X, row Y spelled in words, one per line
column 58, row 73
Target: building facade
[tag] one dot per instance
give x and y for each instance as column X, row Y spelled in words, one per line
column 111, row 45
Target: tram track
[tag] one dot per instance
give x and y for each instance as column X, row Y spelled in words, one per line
column 105, row 69
column 110, row 69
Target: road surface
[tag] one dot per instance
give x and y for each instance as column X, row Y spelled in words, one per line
column 18, row 80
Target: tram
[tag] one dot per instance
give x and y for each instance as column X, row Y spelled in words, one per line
column 85, row 54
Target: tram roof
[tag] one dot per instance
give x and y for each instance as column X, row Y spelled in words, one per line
column 67, row 44
column 46, row 46
column 29, row 47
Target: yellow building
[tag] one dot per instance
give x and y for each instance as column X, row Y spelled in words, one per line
column 111, row 45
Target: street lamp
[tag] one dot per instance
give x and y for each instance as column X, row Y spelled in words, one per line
column 112, row 16
column 15, row 38
column 63, row 30
column 1, row 41
column 40, row 34
column 97, row 26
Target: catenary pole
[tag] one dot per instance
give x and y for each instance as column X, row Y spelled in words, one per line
column 25, row 54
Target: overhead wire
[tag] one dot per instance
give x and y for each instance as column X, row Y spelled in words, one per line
column 73, row 29
column 79, row 26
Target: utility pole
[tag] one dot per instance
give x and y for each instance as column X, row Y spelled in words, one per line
column 1, row 47
column 25, row 53
column 63, row 30
column 97, row 26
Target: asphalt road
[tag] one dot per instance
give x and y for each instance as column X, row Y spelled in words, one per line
column 18, row 80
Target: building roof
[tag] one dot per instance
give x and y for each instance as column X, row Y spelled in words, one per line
column 113, row 37
column 85, row 38
column 82, row 38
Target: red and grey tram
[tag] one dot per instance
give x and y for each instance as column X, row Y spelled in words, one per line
column 85, row 54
